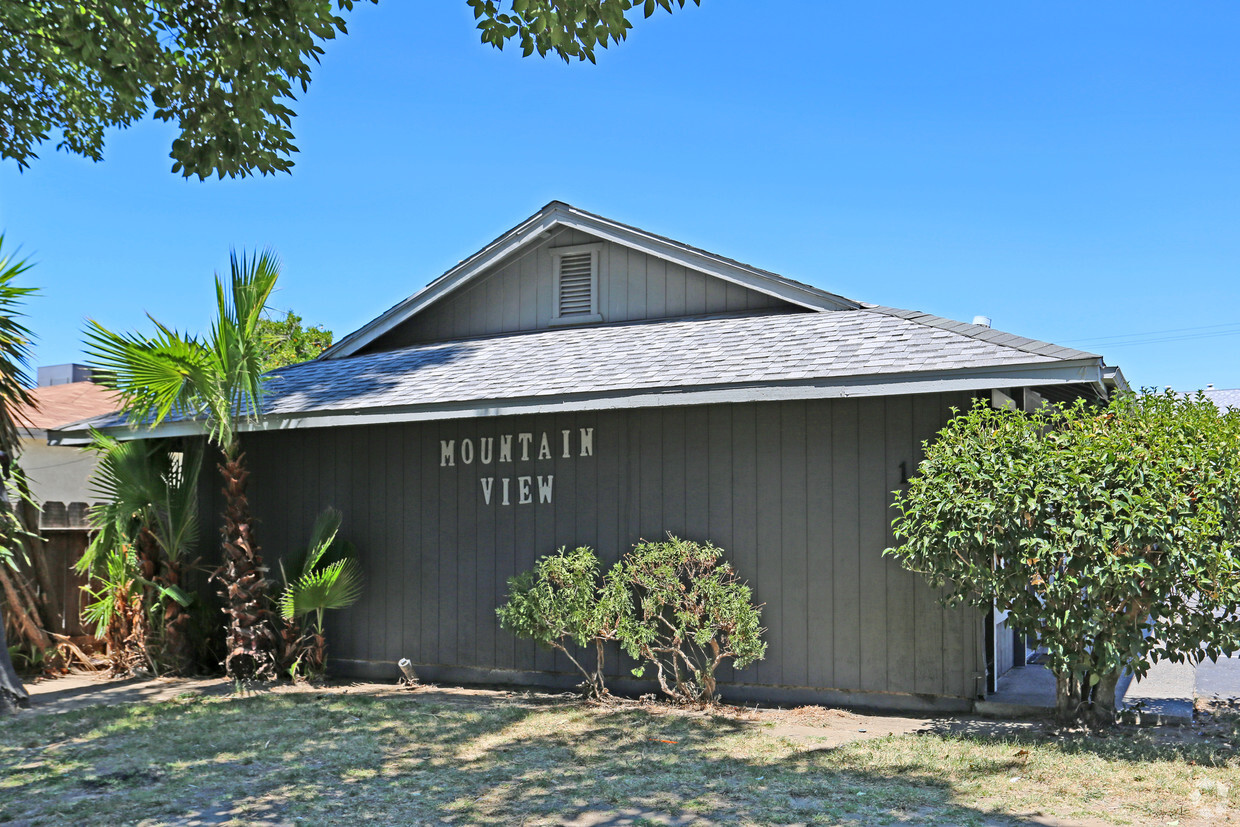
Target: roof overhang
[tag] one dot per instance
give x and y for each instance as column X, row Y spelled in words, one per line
column 557, row 215
column 1113, row 378
column 1088, row 372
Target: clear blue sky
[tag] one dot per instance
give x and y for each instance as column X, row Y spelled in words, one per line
column 1070, row 169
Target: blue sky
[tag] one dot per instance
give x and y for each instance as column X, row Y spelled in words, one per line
column 1070, row 169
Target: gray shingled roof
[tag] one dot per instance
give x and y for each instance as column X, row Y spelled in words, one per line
column 1224, row 398
column 695, row 352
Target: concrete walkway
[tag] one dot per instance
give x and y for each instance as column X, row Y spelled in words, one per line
column 1166, row 694
column 1219, row 681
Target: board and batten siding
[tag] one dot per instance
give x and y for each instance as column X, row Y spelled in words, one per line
column 518, row 295
column 796, row 493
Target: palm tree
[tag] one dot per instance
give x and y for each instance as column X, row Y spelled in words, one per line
column 146, row 494
column 14, row 391
column 326, row 576
column 217, row 381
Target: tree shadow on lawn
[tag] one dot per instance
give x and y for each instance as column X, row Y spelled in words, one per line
column 343, row 759
column 1208, row 747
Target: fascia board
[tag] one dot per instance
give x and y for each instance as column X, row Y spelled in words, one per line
column 508, row 244
column 845, row 387
column 1115, row 377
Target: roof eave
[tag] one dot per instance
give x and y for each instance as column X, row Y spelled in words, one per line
column 1113, row 379
column 1084, row 371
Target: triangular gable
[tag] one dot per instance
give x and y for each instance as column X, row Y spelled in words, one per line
column 549, row 226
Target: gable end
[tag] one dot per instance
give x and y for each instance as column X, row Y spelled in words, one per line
column 408, row 321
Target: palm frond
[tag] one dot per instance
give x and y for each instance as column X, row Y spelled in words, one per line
column 139, row 482
column 322, row 536
column 176, row 529
column 15, row 341
column 235, row 335
column 218, row 379
column 106, row 538
column 334, row 586
column 123, row 486
column 118, row 570
column 155, row 376
column 127, row 480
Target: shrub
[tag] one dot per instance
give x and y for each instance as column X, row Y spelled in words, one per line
column 560, row 600
column 1110, row 533
column 685, row 612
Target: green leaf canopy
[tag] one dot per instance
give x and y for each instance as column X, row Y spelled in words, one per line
column 1111, row 533
column 224, row 71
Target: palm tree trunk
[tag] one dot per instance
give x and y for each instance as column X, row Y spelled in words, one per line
column 252, row 640
column 176, row 622
column 148, row 567
column 12, row 693
column 27, row 626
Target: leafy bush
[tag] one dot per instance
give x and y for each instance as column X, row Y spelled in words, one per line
column 686, row 613
column 560, row 600
column 676, row 605
column 1113, row 534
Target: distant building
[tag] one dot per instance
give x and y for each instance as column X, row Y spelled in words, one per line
column 64, row 396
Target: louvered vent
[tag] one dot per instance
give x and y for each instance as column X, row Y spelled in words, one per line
column 577, row 284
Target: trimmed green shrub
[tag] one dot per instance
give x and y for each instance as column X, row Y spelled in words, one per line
column 560, row 600
column 1113, row 534
column 685, row 613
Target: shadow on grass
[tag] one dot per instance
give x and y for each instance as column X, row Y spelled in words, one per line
column 1126, row 743
column 130, row 690
column 335, row 759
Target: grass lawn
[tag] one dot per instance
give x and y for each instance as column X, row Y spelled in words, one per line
column 427, row 757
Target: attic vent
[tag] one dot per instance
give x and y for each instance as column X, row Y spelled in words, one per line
column 576, row 284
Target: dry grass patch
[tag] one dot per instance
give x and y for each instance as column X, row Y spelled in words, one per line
column 340, row 759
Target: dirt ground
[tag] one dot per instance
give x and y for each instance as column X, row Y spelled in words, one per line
column 826, row 727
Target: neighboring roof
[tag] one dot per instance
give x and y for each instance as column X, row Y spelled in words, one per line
column 556, row 215
column 1223, row 398
column 60, row 405
column 693, row 360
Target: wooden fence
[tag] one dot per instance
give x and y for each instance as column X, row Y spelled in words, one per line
column 66, row 534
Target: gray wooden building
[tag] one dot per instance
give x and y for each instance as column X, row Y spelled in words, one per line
column 583, row 382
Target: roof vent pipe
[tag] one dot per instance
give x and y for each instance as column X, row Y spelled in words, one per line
column 983, row 321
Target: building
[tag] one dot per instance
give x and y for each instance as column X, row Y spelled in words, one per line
column 65, row 395
column 1225, row 399
column 583, row 382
